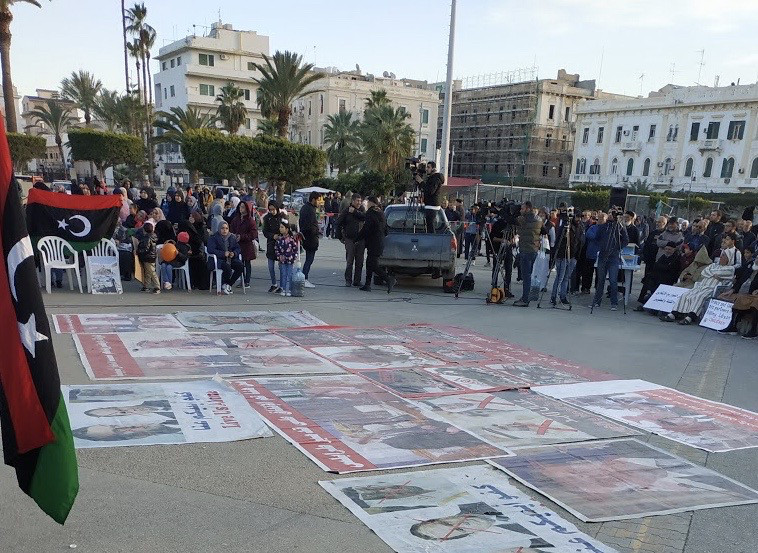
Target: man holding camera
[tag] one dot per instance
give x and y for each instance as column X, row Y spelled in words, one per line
column 431, row 186
column 612, row 237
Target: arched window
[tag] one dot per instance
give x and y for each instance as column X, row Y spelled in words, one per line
column 582, row 166
column 595, row 167
column 727, row 168
column 688, row 167
column 629, row 167
column 321, row 99
column 578, row 165
column 646, row 167
column 708, row 167
column 614, row 166
column 667, row 166
column 754, row 169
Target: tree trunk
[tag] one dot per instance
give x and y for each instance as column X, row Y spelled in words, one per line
column 151, row 149
column 195, row 177
column 126, row 53
column 139, row 80
column 59, row 143
column 5, row 60
column 149, row 78
column 282, row 123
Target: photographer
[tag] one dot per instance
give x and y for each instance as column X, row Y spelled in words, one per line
column 612, row 237
column 567, row 249
column 503, row 235
column 431, row 187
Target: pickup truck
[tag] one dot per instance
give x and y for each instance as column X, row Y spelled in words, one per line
column 410, row 250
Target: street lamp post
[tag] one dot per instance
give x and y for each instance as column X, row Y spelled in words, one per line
column 445, row 169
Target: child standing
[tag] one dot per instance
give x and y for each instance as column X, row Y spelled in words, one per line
column 286, row 253
column 146, row 252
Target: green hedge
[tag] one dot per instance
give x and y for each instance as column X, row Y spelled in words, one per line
column 24, row 148
column 591, row 198
column 104, row 148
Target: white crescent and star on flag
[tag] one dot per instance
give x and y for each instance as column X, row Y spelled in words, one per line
column 64, row 224
column 30, row 336
column 28, row 333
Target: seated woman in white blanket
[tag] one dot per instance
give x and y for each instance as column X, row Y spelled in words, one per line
column 691, row 305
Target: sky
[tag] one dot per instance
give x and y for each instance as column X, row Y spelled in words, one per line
column 628, row 46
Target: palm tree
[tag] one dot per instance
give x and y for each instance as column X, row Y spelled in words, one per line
column 136, row 25
column 126, row 49
column 147, row 39
column 387, row 138
column 135, row 50
column 176, row 122
column 267, row 127
column 56, row 118
column 82, row 88
column 123, row 112
column 341, row 134
column 377, row 98
column 284, row 80
column 6, row 16
column 231, row 110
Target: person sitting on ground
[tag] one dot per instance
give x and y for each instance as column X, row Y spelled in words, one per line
column 665, row 270
column 183, row 252
column 744, row 307
column 691, row 305
column 225, row 247
column 691, row 274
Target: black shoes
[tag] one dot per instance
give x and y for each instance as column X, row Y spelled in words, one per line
column 365, row 288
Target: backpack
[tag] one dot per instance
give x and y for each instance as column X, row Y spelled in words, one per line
column 467, row 283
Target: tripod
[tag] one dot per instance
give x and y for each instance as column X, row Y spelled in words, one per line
column 467, row 269
column 567, row 237
column 497, row 294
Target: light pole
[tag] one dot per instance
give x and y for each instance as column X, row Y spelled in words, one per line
column 444, row 169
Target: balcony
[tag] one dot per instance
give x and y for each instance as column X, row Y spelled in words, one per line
column 631, row 146
column 710, row 145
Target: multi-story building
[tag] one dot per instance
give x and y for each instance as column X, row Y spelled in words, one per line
column 697, row 138
column 193, row 70
column 343, row 91
column 521, row 131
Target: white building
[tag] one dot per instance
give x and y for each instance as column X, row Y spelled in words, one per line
column 348, row 91
column 193, row 70
column 698, row 138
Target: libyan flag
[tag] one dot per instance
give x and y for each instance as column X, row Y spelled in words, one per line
column 36, row 433
column 80, row 220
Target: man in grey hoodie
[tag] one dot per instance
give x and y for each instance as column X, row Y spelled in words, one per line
column 671, row 234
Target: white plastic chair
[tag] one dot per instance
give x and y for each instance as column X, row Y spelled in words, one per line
column 218, row 274
column 54, row 252
column 105, row 248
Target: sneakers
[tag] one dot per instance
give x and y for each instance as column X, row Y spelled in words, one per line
column 309, row 285
column 167, row 286
column 348, row 284
column 564, row 301
column 282, row 293
column 553, row 302
column 288, row 294
column 520, row 303
column 156, row 290
column 731, row 330
column 391, row 281
column 272, row 288
column 278, row 290
column 614, row 308
column 365, row 288
column 143, row 289
column 226, row 289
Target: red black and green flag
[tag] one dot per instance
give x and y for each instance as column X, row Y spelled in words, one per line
column 36, row 433
column 80, row 220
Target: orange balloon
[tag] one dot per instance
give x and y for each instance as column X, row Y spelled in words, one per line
column 168, row 252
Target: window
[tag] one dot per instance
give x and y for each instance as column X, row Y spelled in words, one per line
column 207, row 90
column 246, row 92
column 178, row 61
column 635, row 131
column 206, row 59
column 629, row 167
column 172, row 91
column 560, row 168
column 498, row 140
column 544, row 169
column 309, row 137
column 676, row 133
column 600, row 132
column 474, row 117
column 172, row 63
column 670, row 135
column 694, row 131
column 309, row 107
column 163, row 65
column 551, row 112
column 321, row 107
column 667, row 166
column 548, row 140
column 736, row 130
column 688, row 167
column 513, row 113
column 581, row 166
column 595, row 167
column 488, row 115
column 619, row 130
column 727, row 168
column 500, row 115
column 708, row 167
column 712, row 131
column 165, row 94
column 342, row 105
column 586, row 135
column 424, row 143
column 425, row 117
column 568, row 113
column 247, row 123
column 614, row 166
column 754, row 169
column 651, row 134
column 510, row 140
column 251, row 66
column 646, row 167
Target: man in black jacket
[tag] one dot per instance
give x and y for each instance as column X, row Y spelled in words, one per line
column 349, row 223
column 431, row 187
column 372, row 233
column 310, row 232
column 715, row 227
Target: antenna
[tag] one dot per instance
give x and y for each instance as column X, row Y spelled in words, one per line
column 600, row 72
column 701, row 64
column 642, row 78
column 673, row 72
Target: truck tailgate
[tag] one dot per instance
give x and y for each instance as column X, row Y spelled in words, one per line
column 434, row 248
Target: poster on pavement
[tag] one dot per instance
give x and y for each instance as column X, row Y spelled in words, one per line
column 411, row 383
column 245, row 321
column 376, row 357
column 471, row 509
column 111, row 415
column 664, row 298
column 621, row 479
column 181, row 354
column 106, row 323
column 347, row 424
column 718, row 315
column 316, row 337
column 680, row 417
column 522, row 418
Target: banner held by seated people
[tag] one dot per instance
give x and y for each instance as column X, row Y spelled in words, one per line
column 621, row 479
column 686, row 419
column 110, row 415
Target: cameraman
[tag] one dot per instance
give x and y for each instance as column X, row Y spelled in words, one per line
column 503, row 235
column 567, row 248
column 431, row 186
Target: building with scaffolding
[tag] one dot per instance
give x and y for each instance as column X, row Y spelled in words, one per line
column 514, row 128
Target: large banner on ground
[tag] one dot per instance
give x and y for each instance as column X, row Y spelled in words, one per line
column 347, row 424
column 687, row 419
column 112, row 415
column 116, row 323
column 621, row 479
column 457, row 510
column 522, row 418
column 181, row 355
column 245, row 321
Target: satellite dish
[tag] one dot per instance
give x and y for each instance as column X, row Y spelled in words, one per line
column 386, row 74
column 392, row 76
column 357, row 68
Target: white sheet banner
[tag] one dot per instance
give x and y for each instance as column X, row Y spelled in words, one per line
column 718, row 316
column 664, row 298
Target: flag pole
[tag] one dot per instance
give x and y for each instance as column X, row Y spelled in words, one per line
column 444, row 165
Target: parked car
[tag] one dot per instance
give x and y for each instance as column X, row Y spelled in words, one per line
column 65, row 183
column 410, row 250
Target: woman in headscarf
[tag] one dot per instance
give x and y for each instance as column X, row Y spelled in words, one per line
column 215, row 217
column 197, row 261
column 178, row 210
column 244, row 228
column 271, row 222
column 193, row 204
column 234, row 201
column 164, row 230
column 124, row 211
column 145, row 202
column 198, row 222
